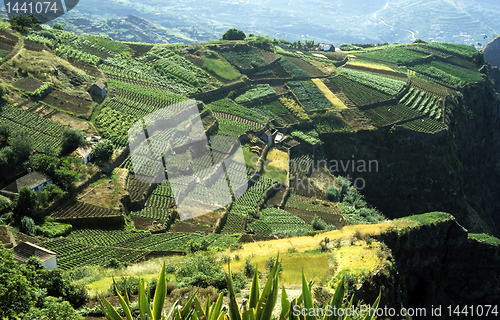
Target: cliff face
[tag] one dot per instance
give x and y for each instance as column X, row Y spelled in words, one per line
column 456, row 171
column 436, row 265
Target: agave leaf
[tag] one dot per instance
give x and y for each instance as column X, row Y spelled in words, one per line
column 254, row 291
column 306, row 293
column 103, row 308
column 215, row 312
column 234, row 312
column 208, row 311
column 171, row 312
column 374, row 307
column 123, row 303
column 111, row 314
column 285, row 304
column 187, row 308
column 160, row 294
column 199, row 313
column 144, row 308
column 263, row 300
column 336, row 302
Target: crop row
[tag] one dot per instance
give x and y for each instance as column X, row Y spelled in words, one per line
column 389, row 114
column 292, row 69
column 296, row 201
column 276, row 221
column 452, row 48
column 447, row 73
column 383, row 84
column 146, row 70
column 394, row 55
column 228, row 106
column 81, row 209
column 159, row 202
column 234, row 128
column 174, row 68
column 152, row 240
column 153, row 214
column 104, row 237
column 244, row 59
column 294, row 108
column 426, row 125
column 69, row 52
column 357, row 92
column 259, row 91
column 300, row 165
column 423, row 102
column 114, row 126
column 305, row 137
column 309, row 95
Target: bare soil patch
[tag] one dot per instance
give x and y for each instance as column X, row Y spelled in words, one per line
column 78, row 106
column 306, row 67
column 27, row 84
column 68, row 120
column 34, row 46
column 89, row 69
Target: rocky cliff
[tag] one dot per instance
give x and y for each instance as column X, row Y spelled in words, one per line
column 455, row 171
column 436, row 264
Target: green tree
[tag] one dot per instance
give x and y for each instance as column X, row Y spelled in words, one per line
column 28, row 226
column 333, row 194
column 233, row 34
column 22, row 144
column 58, row 26
column 65, row 177
column 25, row 203
column 103, row 150
column 22, row 22
column 3, row 91
column 17, row 295
column 72, row 139
column 4, row 132
column 5, row 205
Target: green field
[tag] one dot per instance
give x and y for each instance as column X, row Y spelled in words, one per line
column 220, row 69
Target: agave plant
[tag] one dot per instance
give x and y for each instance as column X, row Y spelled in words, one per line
column 259, row 306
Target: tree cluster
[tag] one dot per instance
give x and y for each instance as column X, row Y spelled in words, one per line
column 28, row 291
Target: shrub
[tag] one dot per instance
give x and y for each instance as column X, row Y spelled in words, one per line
column 28, row 226
column 113, row 263
column 233, row 34
column 318, row 224
column 129, row 284
column 333, row 194
column 248, row 269
column 270, row 264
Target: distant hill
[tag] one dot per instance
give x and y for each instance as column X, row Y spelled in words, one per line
column 342, row 21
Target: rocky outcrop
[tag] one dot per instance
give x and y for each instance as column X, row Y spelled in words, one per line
column 455, row 171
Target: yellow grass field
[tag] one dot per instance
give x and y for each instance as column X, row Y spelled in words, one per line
column 328, row 94
column 278, row 158
column 305, row 243
column 369, row 65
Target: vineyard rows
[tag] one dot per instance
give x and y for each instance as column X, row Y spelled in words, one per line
column 303, row 203
column 229, row 107
column 309, row 95
column 447, row 73
column 69, row 52
column 153, row 214
column 114, row 125
column 234, row 128
column 359, row 93
column 389, row 114
column 259, row 91
column 246, row 205
column 383, row 84
column 244, row 60
column 423, row 102
column 300, row 166
column 426, row 125
column 104, row 237
column 83, row 210
column 276, row 221
column 44, row 132
column 233, row 117
column 396, row 55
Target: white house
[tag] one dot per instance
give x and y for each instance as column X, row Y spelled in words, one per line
column 24, row 250
column 326, row 47
column 84, row 153
column 36, row 181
